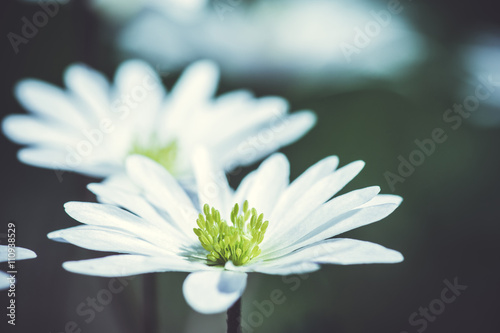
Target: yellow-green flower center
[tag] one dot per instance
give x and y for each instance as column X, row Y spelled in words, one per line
column 164, row 154
column 238, row 243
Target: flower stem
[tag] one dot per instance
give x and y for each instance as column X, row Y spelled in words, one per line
column 234, row 318
column 150, row 301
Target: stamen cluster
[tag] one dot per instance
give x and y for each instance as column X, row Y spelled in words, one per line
column 164, row 154
column 238, row 243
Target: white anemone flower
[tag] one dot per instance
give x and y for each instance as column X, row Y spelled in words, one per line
column 265, row 226
column 118, row 11
column 92, row 126
column 482, row 82
column 176, row 9
column 337, row 43
column 12, row 253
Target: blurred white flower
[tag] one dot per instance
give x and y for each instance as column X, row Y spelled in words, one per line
column 14, row 253
column 336, row 41
column 481, row 59
column 176, row 9
column 93, row 126
column 119, row 10
column 288, row 232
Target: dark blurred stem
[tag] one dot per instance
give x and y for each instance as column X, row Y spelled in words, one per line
column 150, row 301
column 234, row 318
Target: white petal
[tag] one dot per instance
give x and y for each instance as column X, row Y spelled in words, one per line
column 241, row 193
column 342, row 251
column 129, row 264
column 154, row 179
column 213, row 188
column 317, row 194
column 351, row 220
column 384, row 199
column 134, row 203
column 58, row 159
column 227, row 104
column 219, row 123
column 300, row 268
column 29, row 130
column 136, row 79
column 45, row 158
column 163, row 190
column 363, row 253
column 105, row 239
column 269, row 181
column 50, row 102
column 288, row 233
column 299, row 186
column 21, row 253
column 4, row 282
column 197, row 83
column 119, row 219
column 245, row 150
column 245, row 121
column 134, row 73
column 214, row 291
column 120, row 181
column 195, row 87
column 91, row 87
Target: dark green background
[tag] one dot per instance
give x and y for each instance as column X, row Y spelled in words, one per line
column 447, row 226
